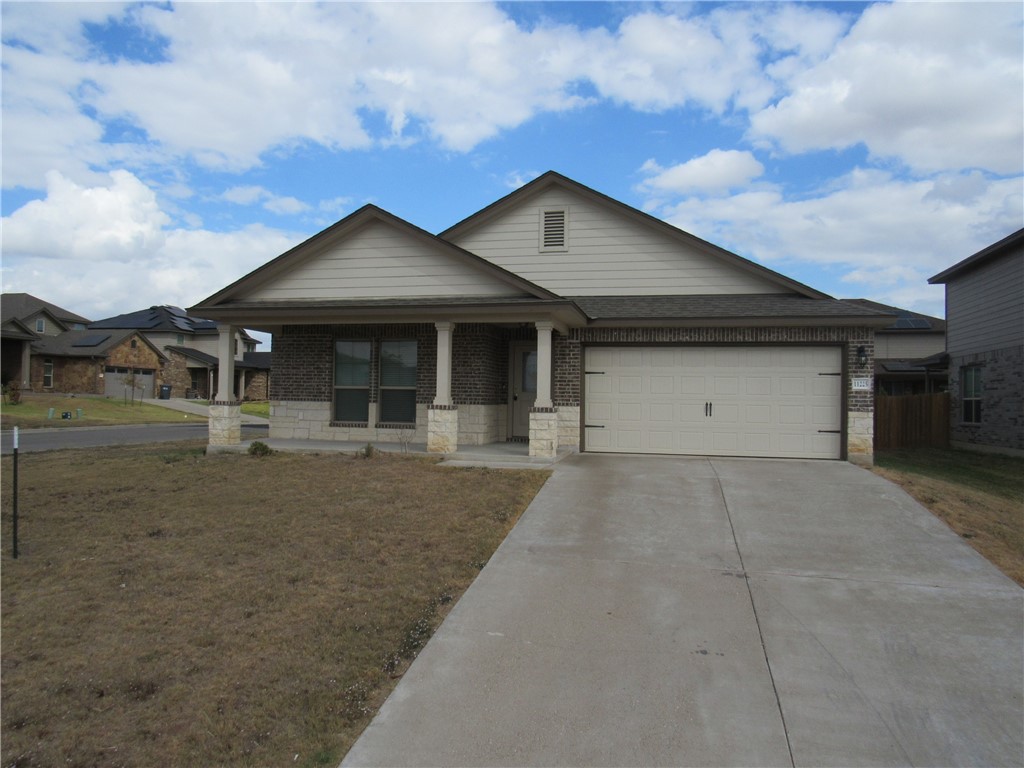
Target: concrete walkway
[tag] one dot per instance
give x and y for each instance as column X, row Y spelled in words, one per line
column 673, row 611
column 200, row 409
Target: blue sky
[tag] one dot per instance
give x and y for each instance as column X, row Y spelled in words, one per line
column 154, row 153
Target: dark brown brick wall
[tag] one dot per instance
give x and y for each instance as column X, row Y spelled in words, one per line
column 479, row 365
column 78, row 375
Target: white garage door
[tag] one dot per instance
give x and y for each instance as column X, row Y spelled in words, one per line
column 716, row 401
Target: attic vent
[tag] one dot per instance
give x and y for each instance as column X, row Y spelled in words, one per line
column 554, row 230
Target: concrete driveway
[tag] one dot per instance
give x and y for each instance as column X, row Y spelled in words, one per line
column 685, row 611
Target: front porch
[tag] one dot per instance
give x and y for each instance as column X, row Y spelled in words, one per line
column 450, row 387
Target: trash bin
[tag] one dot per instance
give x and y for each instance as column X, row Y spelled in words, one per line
column 165, row 391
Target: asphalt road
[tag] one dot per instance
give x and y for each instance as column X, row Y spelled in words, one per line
column 36, row 440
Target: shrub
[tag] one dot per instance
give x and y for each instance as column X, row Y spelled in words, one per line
column 258, row 448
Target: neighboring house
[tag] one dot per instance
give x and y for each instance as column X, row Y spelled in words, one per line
column 985, row 344
column 112, row 363
column 24, row 319
column 910, row 353
column 557, row 316
column 190, row 345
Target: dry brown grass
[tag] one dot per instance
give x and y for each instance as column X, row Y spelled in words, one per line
column 172, row 609
column 980, row 496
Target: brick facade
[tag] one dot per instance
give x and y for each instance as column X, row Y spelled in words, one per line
column 304, row 361
column 1002, row 400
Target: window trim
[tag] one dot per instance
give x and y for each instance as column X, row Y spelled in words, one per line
column 382, row 387
column 40, row 325
column 335, row 416
column 970, row 402
column 47, row 372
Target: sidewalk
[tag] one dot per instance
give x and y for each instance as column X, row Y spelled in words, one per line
column 198, row 409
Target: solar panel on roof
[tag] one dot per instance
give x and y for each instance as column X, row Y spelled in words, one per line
column 93, row 340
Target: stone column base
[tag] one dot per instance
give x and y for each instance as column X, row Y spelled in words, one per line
column 225, row 424
column 442, row 429
column 860, row 438
column 544, row 432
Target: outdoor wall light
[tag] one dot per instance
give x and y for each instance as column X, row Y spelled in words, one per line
column 862, row 356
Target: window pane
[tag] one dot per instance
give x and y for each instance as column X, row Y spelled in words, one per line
column 529, row 368
column 398, row 405
column 351, row 363
column 398, row 363
column 351, row 404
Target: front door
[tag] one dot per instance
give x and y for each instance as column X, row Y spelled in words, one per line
column 524, row 386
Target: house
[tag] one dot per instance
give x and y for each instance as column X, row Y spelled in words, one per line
column 189, row 345
column 985, row 344
column 558, row 316
column 112, row 363
column 910, row 353
column 24, row 319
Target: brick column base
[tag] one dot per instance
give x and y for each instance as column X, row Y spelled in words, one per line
column 442, row 429
column 544, row 432
column 225, row 425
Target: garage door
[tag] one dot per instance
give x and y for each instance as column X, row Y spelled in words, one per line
column 717, row 401
column 117, row 382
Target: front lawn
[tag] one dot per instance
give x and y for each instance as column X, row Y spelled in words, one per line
column 34, row 411
column 173, row 609
column 979, row 495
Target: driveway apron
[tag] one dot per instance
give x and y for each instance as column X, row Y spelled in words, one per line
column 685, row 611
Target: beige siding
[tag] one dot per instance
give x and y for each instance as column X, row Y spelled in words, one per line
column 377, row 261
column 908, row 346
column 608, row 254
column 985, row 307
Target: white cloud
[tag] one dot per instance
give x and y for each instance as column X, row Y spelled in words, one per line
column 940, row 86
column 100, row 251
column 118, row 222
column 717, row 171
column 883, row 235
column 248, row 195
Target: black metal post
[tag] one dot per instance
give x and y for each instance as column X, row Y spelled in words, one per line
column 14, row 490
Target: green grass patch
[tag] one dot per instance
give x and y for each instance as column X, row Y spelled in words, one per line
column 996, row 474
column 34, row 411
column 257, row 408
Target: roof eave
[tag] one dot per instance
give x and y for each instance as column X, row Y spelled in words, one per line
column 739, row 322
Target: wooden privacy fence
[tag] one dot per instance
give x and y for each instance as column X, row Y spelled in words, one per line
column 911, row 421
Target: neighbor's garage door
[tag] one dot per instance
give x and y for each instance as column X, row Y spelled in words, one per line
column 720, row 401
column 117, row 382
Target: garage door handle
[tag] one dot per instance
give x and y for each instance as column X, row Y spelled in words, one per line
column 709, row 409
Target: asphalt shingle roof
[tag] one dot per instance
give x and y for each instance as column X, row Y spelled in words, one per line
column 716, row 307
column 22, row 305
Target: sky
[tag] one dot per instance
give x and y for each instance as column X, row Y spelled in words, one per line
column 155, row 153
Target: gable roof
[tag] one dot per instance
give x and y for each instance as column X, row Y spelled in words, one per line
column 337, row 232
column 86, row 343
column 907, row 321
column 555, row 179
column 14, row 329
column 981, row 257
column 23, row 305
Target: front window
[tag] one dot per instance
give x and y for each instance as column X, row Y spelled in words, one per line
column 398, row 382
column 48, row 373
column 40, row 325
column 351, row 381
column 970, row 389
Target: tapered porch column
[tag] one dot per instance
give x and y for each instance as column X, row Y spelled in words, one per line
column 543, row 415
column 225, row 409
column 442, row 416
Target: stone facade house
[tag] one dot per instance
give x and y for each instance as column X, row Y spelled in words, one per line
column 985, row 345
column 112, row 363
column 556, row 316
column 189, row 345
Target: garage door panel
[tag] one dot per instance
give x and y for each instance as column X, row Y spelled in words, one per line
column 744, row 401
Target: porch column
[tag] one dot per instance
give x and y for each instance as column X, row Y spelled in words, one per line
column 225, row 409
column 544, row 330
column 442, row 416
column 26, row 366
column 543, row 415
